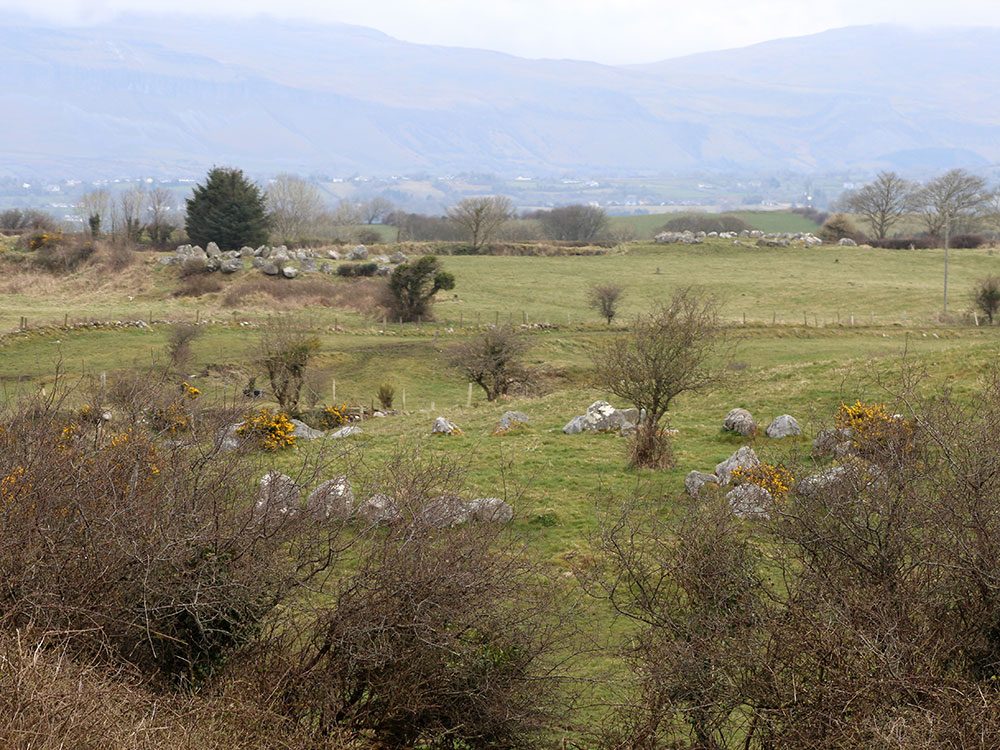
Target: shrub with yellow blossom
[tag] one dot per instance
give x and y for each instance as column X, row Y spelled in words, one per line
column 774, row 478
column 873, row 427
column 271, row 430
column 173, row 418
column 190, row 392
column 333, row 416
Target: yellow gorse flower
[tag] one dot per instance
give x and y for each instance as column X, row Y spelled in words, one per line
column 271, row 430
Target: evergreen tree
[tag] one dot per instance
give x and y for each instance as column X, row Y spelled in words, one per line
column 228, row 210
column 412, row 287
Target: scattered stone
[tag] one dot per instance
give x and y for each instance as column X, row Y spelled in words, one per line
column 837, row 443
column 744, row 458
column 398, row 257
column 269, row 268
column 694, row 482
column 784, row 426
column 309, row 265
column 304, row 431
column 490, row 510
column 602, row 417
column 325, row 267
column 833, row 479
column 228, row 439
column 443, row 427
column 279, row 495
column 847, row 242
column 246, row 252
column 740, row 421
column 212, row 250
column 444, row 512
column 289, row 272
column 379, row 509
column 358, row 252
column 748, row 501
column 333, row 255
column 334, row 498
column 511, row 420
column 344, row 432
column 233, row 265
column 212, row 264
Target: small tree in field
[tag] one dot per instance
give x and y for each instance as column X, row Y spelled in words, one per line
column 285, row 350
column 986, row 296
column 412, row 287
column 605, row 298
column 664, row 354
column 493, row 360
column 228, row 210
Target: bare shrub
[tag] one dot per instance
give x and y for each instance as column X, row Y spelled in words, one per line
column 180, row 336
column 493, row 359
column 605, row 299
column 385, row 394
column 860, row 611
column 62, row 254
column 436, row 638
column 137, row 553
column 986, row 296
column 197, row 286
column 361, row 295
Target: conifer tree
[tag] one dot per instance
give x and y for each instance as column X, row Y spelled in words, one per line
column 228, row 210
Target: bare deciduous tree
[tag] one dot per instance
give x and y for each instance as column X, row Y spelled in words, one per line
column 161, row 223
column 374, row 209
column 882, row 202
column 482, row 217
column 493, row 360
column 577, row 223
column 665, row 353
column 128, row 220
column 293, row 205
column 94, row 208
column 605, row 298
column 957, row 196
column 284, row 351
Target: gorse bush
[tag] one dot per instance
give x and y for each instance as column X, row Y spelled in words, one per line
column 333, row 416
column 267, row 430
column 776, row 479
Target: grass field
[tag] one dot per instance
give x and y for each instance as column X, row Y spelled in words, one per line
column 782, row 364
column 646, row 225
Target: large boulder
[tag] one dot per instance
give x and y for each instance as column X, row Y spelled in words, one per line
column 783, row 426
column 309, row 265
column 443, row 427
column 748, row 501
column 228, row 439
column 212, row 250
column 399, row 257
column 289, row 272
column 358, row 252
column 334, row 498
column 269, row 268
column 233, row 265
column 696, row 480
column 445, row 511
column 490, row 510
column 744, row 458
column 847, row 242
column 379, row 509
column 602, row 417
column 740, row 421
column 510, row 420
column 305, row 432
column 278, row 495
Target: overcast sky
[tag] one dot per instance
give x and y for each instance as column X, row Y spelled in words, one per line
column 608, row 31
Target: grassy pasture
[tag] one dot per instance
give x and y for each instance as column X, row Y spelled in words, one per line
column 557, row 481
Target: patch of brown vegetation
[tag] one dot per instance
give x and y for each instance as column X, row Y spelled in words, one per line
column 360, row 295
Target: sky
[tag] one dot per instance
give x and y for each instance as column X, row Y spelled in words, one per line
column 606, row 31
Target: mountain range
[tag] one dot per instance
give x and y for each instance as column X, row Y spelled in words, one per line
column 173, row 95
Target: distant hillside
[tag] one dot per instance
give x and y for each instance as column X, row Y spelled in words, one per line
column 175, row 94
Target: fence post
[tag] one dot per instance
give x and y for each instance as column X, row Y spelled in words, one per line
column 468, row 400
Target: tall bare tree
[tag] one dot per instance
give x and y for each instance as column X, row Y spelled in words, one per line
column 293, row 205
column 374, row 209
column 482, row 217
column 577, row 223
column 882, row 202
column 955, row 197
column 94, row 208
column 160, row 222
column 127, row 221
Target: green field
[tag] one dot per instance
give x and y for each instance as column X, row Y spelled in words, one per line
column 646, row 225
column 796, row 353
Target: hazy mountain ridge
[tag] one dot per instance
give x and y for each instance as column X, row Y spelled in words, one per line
column 177, row 95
